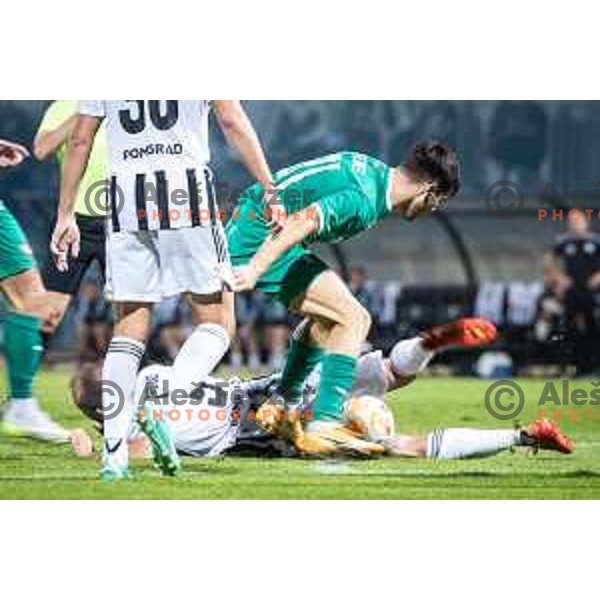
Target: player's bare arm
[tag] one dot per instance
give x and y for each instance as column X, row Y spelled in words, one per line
column 46, row 143
column 242, row 136
column 295, row 230
column 65, row 238
column 12, row 154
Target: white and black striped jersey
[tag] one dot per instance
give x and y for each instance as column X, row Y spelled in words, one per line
column 158, row 156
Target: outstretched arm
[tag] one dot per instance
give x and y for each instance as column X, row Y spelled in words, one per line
column 295, row 230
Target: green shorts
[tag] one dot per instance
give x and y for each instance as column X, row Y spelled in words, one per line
column 290, row 275
column 16, row 255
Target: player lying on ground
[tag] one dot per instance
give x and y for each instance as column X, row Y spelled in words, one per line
column 332, row 198
column 365, row 412
column 29, row 315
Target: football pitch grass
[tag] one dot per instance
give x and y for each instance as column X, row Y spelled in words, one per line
column 33, row 470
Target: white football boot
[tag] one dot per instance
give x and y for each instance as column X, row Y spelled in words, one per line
column 25, row 418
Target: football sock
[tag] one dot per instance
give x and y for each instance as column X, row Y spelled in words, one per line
column 468, row 443
column 408, row 357
column 119, row 376
column 200, row 355
column 24, row 350
column 301, row 360
column 337, row 378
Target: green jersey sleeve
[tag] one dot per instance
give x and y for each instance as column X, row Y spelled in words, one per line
column 343, row 215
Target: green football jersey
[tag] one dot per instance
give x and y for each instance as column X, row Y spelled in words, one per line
column 350, row 192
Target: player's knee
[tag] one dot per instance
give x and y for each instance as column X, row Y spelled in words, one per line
column 364, row 320
column 357, row 317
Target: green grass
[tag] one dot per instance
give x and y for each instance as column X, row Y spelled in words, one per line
column 35, row 470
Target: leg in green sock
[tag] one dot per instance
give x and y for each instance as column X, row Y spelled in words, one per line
column 337, row 378
column 23, row 349
column 303, row 356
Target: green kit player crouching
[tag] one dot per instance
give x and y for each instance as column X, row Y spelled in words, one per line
column 332, row 198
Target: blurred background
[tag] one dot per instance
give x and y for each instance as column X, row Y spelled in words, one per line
column 519, row 156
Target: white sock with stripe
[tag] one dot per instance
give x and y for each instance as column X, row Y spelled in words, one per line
column 119, row 375
column 469, row 443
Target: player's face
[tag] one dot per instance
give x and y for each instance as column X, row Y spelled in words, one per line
column 427, row 201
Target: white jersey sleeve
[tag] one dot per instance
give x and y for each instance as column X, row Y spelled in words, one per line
column 92, row 108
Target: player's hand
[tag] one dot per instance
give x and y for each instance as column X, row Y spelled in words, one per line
column 65, row 242
column 244, row 279
column 81, row 443
column 12, row 154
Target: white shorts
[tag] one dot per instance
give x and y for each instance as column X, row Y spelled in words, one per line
column 148, row 266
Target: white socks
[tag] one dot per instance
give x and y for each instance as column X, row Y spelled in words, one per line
column 119, row 376
column 409, row 358
column 470, row 443
column 200, row 355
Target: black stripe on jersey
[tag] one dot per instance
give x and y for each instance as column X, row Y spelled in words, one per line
column 163, row 200
column 140, row 201
column 210, row 192
column 114, row 209
column 194, row 201
column 216, row 233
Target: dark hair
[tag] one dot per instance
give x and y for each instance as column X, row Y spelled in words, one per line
column 433, row 160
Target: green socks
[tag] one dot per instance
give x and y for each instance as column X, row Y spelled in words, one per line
column 302, row 358
column 337, row 378
column 23, row 349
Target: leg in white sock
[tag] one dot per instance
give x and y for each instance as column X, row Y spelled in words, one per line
column 469, row 443
column 119, row 376
column 409, row 358
column 200, row 355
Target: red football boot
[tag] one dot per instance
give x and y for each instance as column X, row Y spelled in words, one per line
column 464, row 333
column 547, row 435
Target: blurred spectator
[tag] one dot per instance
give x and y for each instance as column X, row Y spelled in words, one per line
column 360, row 127
column 94, row 315
column 436, row 120
column 275, row 324
column 357, row 282
column 300, row 133
column 518, row 141
column 171, row 323
column 245, row 346
column 572, row 277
